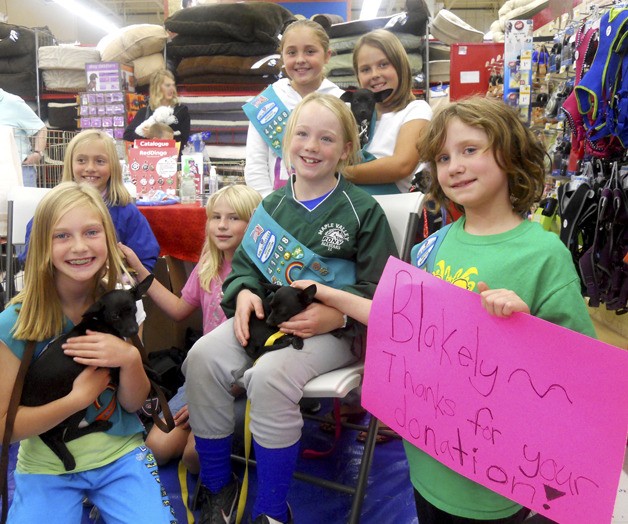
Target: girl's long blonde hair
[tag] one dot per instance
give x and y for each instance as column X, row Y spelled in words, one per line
column 243, row 200
column 155, row 95
column 41, row 316
column 117, row 194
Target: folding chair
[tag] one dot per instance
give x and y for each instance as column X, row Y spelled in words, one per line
column 21, row 205
column 402, row 212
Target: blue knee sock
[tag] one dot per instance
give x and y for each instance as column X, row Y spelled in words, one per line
column 214, row 455
column 274, row 474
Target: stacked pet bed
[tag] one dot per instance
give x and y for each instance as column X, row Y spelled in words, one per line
column 228, row 47
column 18, row 58
column 63, row 67
column 514, row 10
column 339, row 69
column 222, row 115
column 227, row 43
column 139, row 45
column 407, row 26
column 450, row 29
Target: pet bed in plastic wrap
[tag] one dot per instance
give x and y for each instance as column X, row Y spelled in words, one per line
column 450, row 29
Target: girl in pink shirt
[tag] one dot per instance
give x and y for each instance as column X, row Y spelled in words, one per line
column 228, row 213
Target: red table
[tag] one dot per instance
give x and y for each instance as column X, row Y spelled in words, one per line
column 179, row 229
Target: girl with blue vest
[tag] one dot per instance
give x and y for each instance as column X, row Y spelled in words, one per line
column 304, row 52
column 318, row 226
column 485, row 161
column 380, row 63
column 73, row 259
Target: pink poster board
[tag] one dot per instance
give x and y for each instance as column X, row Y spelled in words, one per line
column 539, row 411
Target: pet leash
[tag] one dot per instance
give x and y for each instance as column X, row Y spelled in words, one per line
column 14, row 402
column 153, row 410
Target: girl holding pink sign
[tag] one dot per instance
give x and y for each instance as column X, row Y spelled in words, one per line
column 487, row 163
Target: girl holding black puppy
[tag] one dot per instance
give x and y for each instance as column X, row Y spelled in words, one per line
column 380, row 63
column 73, row 258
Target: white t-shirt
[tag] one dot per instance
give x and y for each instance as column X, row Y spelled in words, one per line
column 261, row 160
column 387, row 129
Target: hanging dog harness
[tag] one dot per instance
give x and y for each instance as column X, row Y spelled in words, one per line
column 596, row 92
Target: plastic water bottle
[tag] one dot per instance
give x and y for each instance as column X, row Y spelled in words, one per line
column 213, row 180
column 187, row 191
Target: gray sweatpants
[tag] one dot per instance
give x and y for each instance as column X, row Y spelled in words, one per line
column 274, row 385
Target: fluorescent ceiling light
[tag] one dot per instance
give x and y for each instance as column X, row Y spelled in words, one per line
column 369, row 9
column 89, row 15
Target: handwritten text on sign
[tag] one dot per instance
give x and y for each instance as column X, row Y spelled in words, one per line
column 531, row 410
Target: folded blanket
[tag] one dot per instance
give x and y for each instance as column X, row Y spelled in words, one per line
column 229, row 65
column 183, row 46
column 244, row 22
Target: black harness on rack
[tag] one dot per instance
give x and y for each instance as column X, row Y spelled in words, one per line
column 602, row 268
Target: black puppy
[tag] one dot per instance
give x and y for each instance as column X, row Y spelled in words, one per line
column 51, row 374
column 282, row 304
column 362, row 103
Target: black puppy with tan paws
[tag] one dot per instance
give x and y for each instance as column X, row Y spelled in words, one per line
column 281, row 305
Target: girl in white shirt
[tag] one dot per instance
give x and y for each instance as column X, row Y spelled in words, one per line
column 381, row 62
column 304, row 51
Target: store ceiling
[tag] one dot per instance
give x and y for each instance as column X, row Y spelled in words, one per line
column 152, row 11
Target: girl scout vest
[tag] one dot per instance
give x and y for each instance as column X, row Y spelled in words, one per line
column 269, row 116
column 282, row 259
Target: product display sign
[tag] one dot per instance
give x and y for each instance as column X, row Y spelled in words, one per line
column 529, row 409
column 518, row 49
column 153, row 166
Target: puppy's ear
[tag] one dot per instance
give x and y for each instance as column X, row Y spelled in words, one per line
column 347, row 96
column 307, row 296
column 380, row 96
column 142, row 288
column 270, row 287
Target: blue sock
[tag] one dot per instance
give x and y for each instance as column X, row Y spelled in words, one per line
column 274, row 475
column 214, row 455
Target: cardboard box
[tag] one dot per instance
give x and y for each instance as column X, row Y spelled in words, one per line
column 109, row 76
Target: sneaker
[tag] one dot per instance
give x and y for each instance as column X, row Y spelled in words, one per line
column 220, row 508
column 265, row 519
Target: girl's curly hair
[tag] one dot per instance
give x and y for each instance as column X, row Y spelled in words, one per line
column 515, row 148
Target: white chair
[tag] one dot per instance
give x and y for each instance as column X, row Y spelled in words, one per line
column 21, row 205
column 402, row 212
